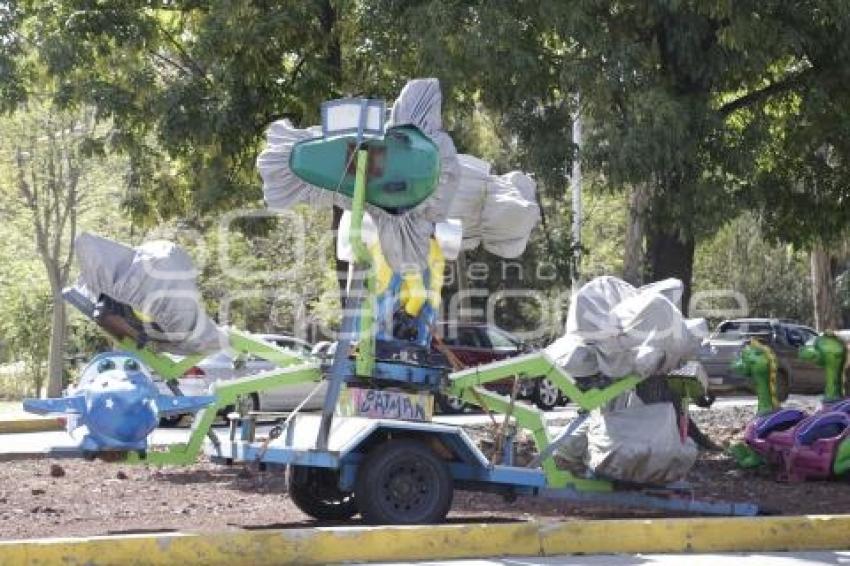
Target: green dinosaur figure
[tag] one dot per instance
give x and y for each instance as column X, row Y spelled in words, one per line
column 758, row 363
column 829, row 352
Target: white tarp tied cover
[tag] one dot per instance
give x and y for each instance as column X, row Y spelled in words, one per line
column 640, row 443
column 635, row 443
column 498, row 212
column 405, row 236
column 157, row 279
column 615, row 329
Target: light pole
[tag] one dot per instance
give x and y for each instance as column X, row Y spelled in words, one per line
column 575, row 189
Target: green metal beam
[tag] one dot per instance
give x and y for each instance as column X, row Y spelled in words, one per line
column 532, row 420
column 226, row 392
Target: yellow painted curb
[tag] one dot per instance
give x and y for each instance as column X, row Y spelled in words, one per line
column 321, row 545
column 800, row 532
column 30, row 425
column 324, row 545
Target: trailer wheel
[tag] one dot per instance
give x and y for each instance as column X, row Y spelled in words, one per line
column 315, row 491
column 403, row 482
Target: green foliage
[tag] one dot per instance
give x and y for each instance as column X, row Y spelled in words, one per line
column 12, row 66
column 773, row 278
column 26, row 330
column 189, row 86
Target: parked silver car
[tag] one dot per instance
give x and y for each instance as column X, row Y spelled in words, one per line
column 221, row 366
column 793, row 375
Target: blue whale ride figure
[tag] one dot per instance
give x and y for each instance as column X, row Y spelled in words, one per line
column 118, row 402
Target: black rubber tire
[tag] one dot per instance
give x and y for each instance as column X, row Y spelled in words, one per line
column 315, row 491
column 706, row 401
column 783, row 385
column 544, row 396
column 403, row 482
column 170, row 422
column 447, row 407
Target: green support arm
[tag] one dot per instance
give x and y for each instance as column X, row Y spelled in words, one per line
column 467, row 384
column 295, row 369
column 245, row 343
column 226, row 392
column 531, row 419
column 538, row 364
column 162, row 364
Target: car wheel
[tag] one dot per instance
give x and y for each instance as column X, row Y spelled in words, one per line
column 170, row 422
column 450, row 405
column 315, row 491
column 546, row 394
column 705, row 401
column 783, row 385
column 403, row 482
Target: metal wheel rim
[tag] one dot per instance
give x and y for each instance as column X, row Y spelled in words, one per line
column 455, row 403
column 548, row 392
column 407, row 488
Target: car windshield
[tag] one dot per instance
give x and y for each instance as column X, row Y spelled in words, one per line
column 499, row 339
column 738, row 328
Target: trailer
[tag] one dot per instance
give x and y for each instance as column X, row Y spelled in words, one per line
column 375, row 449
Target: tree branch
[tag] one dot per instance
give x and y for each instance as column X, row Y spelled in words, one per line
column 762, row 94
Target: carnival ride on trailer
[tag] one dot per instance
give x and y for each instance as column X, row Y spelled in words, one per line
column 393, row 465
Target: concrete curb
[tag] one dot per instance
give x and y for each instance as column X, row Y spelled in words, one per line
column 323, row 545
column 40, row 424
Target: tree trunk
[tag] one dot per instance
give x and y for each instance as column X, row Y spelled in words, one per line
column 671, row 254
column 56, row 355
column 823, row 289
column 634, row 256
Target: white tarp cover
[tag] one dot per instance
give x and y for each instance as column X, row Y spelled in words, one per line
column 404, row 236
column 615, row 329
column 640, row 443
column 498, row 212
column 157, row 279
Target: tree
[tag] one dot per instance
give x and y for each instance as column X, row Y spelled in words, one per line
column 49, row 152
column 26, row 330
column 676, row 96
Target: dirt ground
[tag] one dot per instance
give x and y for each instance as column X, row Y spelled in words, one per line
column 48, row 498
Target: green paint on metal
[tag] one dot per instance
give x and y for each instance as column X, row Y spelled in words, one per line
column 365, row 362
column 467, row 384
column 540, row 365
column 245, row 343
column 531, row 419
column 163, row 365
column 404, row 166
column 295, row 369
column 829, row 352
